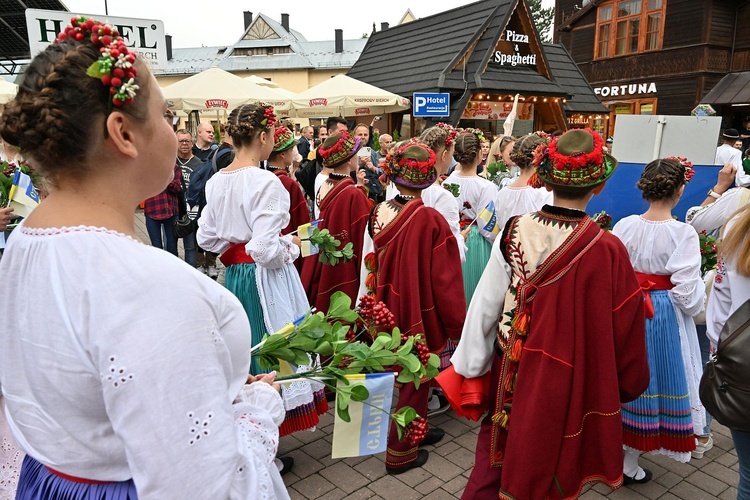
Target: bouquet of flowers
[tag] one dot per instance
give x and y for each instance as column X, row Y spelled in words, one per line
column 332, row 335
column 708, row 252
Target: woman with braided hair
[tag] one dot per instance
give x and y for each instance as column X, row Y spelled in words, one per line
column 247, row 209
column 666, row 256
column 126, row 374
column 475, row 193
column 519, row 197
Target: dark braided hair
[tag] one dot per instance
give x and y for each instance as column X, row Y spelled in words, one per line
column 661, row 179
column 467, row 148
column 59, row 110
column 245, row 124
column 523, row 150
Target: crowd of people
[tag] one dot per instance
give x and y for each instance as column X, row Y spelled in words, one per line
column 127, row 373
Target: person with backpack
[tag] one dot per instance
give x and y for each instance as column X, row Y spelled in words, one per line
column 731, row 290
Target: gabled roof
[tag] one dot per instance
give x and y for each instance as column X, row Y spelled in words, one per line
column 304, row 54
column 14, row 36
column 428, row 55
column 412, row 56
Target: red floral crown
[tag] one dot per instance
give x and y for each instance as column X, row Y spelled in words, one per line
column 115, row 64
column 412, row 165
column 577, row 168
column 450, row 130
column 687, row 165
column 269, row 117
column 283, row 139
column 341, row 149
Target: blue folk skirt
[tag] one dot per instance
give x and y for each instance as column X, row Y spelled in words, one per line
column 661, row 418
column 38, row 483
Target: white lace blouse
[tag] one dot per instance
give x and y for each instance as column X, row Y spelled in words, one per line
column 119, row 361
column 474, row 194
column 247, row 205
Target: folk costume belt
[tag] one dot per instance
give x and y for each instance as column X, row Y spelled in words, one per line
column 235, row 254
column 650, row 282
column 75, row 479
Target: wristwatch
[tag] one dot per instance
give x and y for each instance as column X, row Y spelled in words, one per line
column 713, row 194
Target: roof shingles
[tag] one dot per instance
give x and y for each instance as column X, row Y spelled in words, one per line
column 411, row 58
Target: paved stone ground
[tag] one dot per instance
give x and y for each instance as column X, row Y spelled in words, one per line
column 444, row 476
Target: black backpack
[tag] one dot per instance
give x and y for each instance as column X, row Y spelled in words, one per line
column 196, row 193
column 305, row 175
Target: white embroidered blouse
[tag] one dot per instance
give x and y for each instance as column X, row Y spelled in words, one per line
column 247, row 205
column 119, row 361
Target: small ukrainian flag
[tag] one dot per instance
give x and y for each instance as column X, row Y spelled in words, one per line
column 489, row 217
column 367, row 432
column 304, row 232
column 23, row 197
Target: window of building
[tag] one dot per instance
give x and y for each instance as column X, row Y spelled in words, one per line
column 629, row 27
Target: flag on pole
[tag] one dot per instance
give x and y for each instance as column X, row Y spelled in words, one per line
column 23, row 197
column 304, row 232
column 489, row 217
column 367, row 431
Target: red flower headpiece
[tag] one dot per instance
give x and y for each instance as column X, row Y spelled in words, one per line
column 577, row 160
column 269, row 117
column 343, row 148
column 412, row 165
column 581, row 163
column 115, row 64
column 283, row 139
column 688, row 165
column 450, row 130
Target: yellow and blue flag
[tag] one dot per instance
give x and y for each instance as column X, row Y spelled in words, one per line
column 489, row 217
column 367, row 431
column 304, row 232
column 23, row 197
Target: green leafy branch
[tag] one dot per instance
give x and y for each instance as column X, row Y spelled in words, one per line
column 453, row 188
column 328, row 245
column 331, row 335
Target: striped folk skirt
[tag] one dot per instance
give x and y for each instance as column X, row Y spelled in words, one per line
column 660, row 420
column 240, row 280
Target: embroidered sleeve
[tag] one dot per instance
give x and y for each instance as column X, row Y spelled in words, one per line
column 270, row 216
column 719, row 304
column 689, row 292
column 714, row 215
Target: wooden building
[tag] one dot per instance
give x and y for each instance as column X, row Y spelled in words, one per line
column 482, row 54
column 656, row 56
